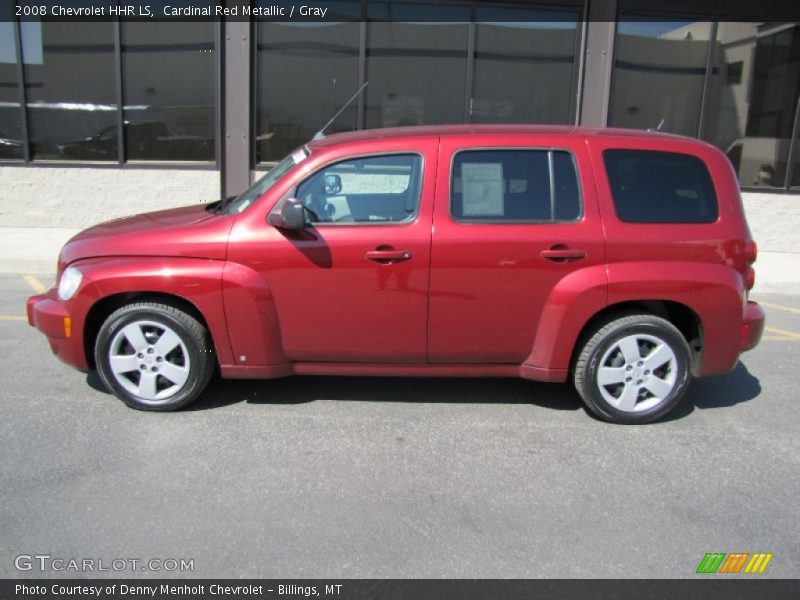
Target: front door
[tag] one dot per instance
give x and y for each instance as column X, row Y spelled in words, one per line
column 353, row 286
column 511, row 224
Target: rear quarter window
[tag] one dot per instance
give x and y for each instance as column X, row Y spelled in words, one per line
column 660, row 187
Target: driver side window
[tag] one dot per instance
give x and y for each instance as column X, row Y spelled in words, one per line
column 371, row 189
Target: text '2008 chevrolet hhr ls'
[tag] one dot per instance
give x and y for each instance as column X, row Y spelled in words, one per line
column 618, row 259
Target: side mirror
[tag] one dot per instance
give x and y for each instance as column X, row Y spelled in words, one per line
column 333, row 184
column 288, row 214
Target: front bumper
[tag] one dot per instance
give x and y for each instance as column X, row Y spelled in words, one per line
column 47, row 314
column 752, row 326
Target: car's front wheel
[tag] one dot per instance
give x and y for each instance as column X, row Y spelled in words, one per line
column 633, row 369
column 154, row 356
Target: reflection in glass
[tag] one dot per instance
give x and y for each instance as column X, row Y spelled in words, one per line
column 70, row 90
column 305, row 73
column 525, row 71
column 168, row 89
column 10, row 124
column 658, row 76
column 416, row 71
column 753, row 97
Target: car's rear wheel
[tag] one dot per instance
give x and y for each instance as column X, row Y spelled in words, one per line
column 154, row 356
column 633, row 369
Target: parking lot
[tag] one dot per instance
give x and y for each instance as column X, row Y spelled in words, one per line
column 368, row 477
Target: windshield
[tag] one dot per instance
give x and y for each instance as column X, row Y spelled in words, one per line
column 261, row 186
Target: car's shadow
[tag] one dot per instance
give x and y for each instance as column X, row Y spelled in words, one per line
column 712, row 392
column 304, row 389
column 718, row 391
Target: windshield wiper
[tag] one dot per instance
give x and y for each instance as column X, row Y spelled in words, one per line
column 219, row 206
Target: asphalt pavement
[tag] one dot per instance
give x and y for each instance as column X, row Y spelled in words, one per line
column 369, row 477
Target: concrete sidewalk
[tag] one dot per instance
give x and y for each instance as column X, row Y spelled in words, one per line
column 31, row 250
column 34, row 251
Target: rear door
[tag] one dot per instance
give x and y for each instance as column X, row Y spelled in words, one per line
column 511, row 222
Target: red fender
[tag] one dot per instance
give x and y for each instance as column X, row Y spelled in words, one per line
column 715, row 292
column 195, row 280
column 575, row 300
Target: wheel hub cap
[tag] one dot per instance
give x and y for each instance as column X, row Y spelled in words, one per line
column 149, row 360
column 637, row 373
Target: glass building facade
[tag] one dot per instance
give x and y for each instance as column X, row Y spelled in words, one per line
column 108, row 92
column 127, row 93
column 733, row 84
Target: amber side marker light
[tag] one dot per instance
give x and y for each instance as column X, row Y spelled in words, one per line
column 68, row 326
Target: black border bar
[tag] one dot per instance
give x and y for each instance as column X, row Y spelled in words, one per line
column 399, row 10
column 733, row 588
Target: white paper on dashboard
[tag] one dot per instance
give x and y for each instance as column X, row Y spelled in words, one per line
column 483, row 189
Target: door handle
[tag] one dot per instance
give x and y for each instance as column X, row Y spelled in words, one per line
column 388, row 256
column 560, row 253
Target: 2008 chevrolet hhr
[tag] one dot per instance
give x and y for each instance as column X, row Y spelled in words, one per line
column 618, row 259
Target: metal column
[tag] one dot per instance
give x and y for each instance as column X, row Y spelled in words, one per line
column 236, row 107
column 598, row 62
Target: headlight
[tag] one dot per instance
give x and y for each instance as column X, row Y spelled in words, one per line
column 70, row 280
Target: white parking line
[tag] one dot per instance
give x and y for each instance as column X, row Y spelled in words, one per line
column 786, row 334
column 36, row 285
column 790, row 309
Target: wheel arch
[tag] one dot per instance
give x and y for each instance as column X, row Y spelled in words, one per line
column 105, row 306
column 682, row 316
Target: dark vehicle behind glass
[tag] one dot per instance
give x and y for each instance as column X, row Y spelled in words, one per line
column 151, row 140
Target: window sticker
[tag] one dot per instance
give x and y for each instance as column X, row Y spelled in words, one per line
column 299, row 156
column 483, row 189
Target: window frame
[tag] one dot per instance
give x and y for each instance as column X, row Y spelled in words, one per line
column 413, row 218
column 673, row 153
column 549, row 150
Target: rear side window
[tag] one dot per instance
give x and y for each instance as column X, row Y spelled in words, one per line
column 660, row 187
column 514, row 186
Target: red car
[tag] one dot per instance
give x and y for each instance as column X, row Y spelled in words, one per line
column 619, row 259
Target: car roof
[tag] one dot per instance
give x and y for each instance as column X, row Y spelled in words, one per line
column 417, row 131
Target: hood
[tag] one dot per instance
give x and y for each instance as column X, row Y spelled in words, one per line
column 188, row 232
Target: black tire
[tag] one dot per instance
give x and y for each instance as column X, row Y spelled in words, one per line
column 192, row 356
column 634, row 333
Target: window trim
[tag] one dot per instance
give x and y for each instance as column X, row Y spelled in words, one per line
column 551, row 174
column 413, row 218
column 130, row 165
column 653, row 151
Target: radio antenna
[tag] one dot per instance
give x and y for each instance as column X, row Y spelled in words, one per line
column 321, row 133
